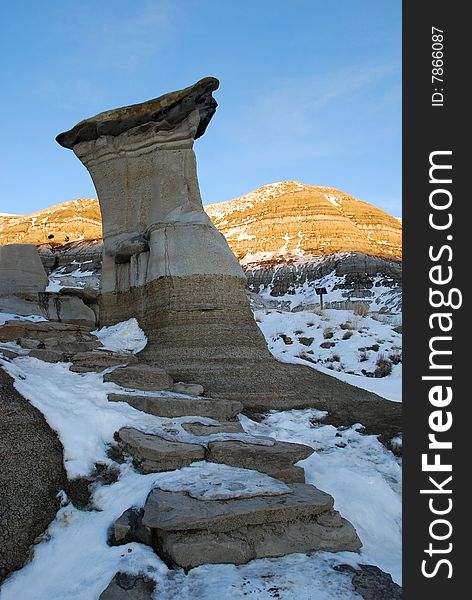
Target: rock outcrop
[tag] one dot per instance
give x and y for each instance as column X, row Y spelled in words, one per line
column 165, row 263
column 23, row 282
column 22, row 279
column 31, row 476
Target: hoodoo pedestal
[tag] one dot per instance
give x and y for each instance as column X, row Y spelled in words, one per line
column 165, row 263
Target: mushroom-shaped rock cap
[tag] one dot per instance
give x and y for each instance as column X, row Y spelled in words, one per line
column 167, row 110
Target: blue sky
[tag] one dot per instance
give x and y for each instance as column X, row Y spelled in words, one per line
column 310, row 90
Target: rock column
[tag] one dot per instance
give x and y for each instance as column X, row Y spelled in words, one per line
column 165, row 263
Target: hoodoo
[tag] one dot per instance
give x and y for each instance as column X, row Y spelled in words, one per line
column 165, row 263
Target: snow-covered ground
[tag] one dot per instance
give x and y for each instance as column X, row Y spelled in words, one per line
column 356, row 343
column 74, row 561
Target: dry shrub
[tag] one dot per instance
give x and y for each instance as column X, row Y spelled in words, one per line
column 361, row 309
column 328, row 333
column 383, row 366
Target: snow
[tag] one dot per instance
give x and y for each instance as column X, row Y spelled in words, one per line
column 212, row 481
column 363, row 477
column 4, row 317
column 74, row 561
column 126, row 336
column 347, row 357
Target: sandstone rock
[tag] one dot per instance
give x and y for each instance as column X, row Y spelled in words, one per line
column 88, row 295
column 177, row 511
column 30, row 344
column 129, row 528
column 124, row 586
column 152, row 454
column 141, row 377
column 289, row 475
column 225, row 427
column 192, row 389
column 267, row 459
column 175, row 406
column 15, row 329
column 31, row 476
column 51, row 356
column 21, row 270
column 71, row 309
column 98, row 360
column 194, row 532
column 22, row 277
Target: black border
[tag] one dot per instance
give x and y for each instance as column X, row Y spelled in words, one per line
column 426, row 129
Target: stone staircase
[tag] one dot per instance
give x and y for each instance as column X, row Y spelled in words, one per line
column 186, row 529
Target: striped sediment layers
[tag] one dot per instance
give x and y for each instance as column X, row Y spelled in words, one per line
column 165, row 263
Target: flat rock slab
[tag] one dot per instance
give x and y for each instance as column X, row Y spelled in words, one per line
column 176, row 511
column 50, row 356
column 178, row 406
column 152, row 453
column 277, row 457
column 98, row 360
column 141, row 377
column 192, row 389
column 202, row 429
column 195, row 548
column 15, row 329
column 128, row 587
column 190, row 532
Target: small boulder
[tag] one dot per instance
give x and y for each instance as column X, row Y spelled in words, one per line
column 202, row 429
column 98, row 360
column 141, row 377
column 306, row 341
column 124, row 586
column 51, row 356
column 153, row 454
column 192, row 389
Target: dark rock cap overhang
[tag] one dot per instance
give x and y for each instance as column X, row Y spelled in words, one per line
column 168, row 110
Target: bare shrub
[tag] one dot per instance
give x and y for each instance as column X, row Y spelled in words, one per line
column 361, row 309
column 328, row 333
column 383, row 366
column 396, row 358
column 348, row 325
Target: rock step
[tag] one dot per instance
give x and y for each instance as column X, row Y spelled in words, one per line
column 141, row 377
column 267, row 459
column 152, row 453
column 98, row 360
column 222, row 427
column 17, row 328
column 190, row 532
column 180, row 406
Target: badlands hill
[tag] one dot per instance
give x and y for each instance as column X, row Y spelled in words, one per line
column 278, row 221
column 290, row 219
column 66, row 222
